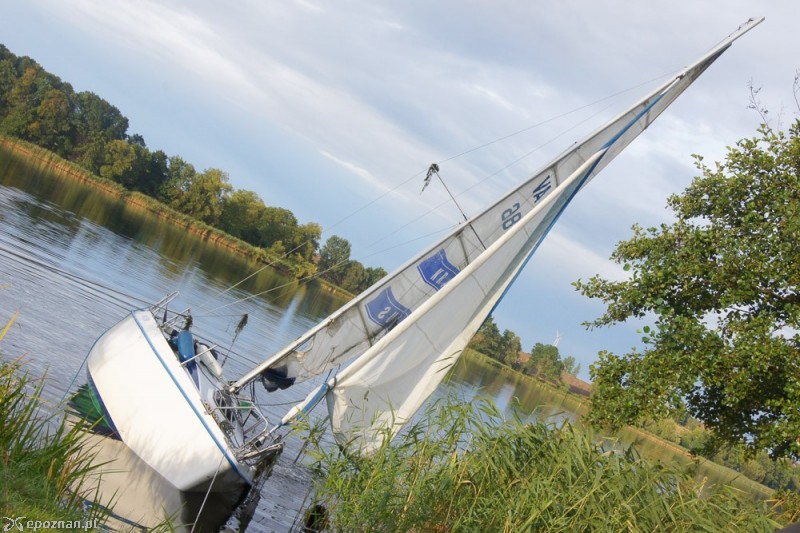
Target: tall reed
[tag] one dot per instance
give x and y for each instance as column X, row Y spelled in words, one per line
column 44, row 463
column 464, row 467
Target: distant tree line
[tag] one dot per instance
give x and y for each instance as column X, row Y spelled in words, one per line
column 544, row 360
column 40, row 108
column 683, row 429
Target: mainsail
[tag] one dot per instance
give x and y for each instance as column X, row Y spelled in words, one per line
column 409, row 328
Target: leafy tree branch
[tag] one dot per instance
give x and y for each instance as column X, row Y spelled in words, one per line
column 720, row 286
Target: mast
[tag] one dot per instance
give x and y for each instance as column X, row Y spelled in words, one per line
column 355, row 328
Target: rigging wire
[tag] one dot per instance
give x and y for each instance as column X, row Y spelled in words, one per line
column 437, row 207
column 307, row 279
column 311, row 277
column 270, row 264
column 123, row 300
column 205, row 498
column 495, row 141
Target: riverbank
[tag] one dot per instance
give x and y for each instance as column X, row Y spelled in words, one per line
column 67, row 170
column 51, row 467
column 116, row 207
column 648, row 443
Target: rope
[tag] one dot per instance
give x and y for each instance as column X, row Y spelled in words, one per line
column 205, row 498
column 74, row 378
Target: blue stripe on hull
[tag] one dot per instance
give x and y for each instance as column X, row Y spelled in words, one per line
column 222, row 448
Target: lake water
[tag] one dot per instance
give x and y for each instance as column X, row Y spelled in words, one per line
column 73, row 263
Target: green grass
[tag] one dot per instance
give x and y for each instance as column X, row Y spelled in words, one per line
column 651, row 444
column 44, row 464
column 465, row 468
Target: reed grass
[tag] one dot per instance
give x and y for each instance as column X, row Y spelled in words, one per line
column 45, row 464
column 651, row 444
column 464, row 467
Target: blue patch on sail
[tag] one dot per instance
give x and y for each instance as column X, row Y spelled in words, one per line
column 385, row 310
column 437, row 270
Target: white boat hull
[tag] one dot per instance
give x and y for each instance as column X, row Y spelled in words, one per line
column 157, row 410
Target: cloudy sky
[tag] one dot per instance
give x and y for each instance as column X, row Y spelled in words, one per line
column 335, row 110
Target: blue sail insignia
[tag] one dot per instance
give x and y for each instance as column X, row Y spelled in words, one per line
column 437, row 270
column 385, row 310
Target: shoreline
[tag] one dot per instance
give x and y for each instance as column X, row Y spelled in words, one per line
column 68, row 170
column 580, row 404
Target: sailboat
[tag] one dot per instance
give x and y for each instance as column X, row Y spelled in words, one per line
column 379, row 357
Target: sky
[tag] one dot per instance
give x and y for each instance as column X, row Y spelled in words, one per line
column 336, row 109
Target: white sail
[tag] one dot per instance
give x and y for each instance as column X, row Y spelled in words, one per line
column 385, row 386
column 362, row 325
column 382, row 389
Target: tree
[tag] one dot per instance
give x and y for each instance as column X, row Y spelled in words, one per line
column 276, row 224
column 22, row 102
column 52, row 128
column 306, row 241
column 240, row 215
column 510, row 347
column 96, row 116
column 203, row 196
column 355, row 277
column 571, row 366
column 180, row 176
column 8, row 77
column 96, row 123
column 375, row 274
column 504, row 347
column 153, row 171
column 333, row 258
column 304, row 246
column 118, row 162
column 546, row 362
column 720, row 287
column 488, row 339
column 135, row 167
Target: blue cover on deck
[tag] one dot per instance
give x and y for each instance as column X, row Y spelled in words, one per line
column 184, row 342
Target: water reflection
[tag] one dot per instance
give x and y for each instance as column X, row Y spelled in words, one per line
column 142, row 499
column 59, row 214
column 514, row 392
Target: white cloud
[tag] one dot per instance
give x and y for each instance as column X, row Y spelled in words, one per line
column 176, row 35
column 355, row 169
